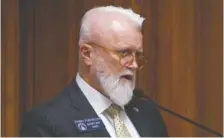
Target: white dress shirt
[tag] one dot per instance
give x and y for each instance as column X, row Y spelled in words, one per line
column 100, row 103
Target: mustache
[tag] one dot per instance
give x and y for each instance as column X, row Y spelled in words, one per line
column 127, row 72
column 114, row 80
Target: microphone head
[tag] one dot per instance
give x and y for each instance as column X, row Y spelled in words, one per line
column 138, row 93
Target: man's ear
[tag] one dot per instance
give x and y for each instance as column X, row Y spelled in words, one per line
column 85, row 53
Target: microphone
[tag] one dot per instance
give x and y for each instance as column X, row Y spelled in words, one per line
column 138, row 93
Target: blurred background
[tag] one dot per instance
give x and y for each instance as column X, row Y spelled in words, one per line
column 182, row 42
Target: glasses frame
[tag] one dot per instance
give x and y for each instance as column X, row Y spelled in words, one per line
column 120, row 55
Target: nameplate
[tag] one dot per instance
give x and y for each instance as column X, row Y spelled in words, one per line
column 89, row 124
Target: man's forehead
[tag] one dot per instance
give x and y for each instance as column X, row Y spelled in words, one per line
column 127, row 40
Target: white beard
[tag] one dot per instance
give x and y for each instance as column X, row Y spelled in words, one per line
column 119, row 91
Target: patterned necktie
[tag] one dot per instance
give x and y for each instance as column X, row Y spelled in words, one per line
column 121, row 130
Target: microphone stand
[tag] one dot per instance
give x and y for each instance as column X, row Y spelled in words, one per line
column 141, row 95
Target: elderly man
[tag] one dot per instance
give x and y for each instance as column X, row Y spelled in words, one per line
column 100, row 101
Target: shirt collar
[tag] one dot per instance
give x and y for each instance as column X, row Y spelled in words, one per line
column 98, row 101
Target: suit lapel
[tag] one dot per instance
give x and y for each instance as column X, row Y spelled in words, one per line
column 86, row 111
column 138, row 118
column 134, row 111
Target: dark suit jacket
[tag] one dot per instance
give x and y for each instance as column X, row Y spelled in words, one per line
column 56, row 118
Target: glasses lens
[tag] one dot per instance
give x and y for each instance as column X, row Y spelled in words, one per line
column 124, row 61
column 127, row 60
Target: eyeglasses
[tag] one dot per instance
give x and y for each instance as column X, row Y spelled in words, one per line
column 126, row 57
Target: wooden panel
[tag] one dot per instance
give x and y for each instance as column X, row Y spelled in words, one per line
column 27, row 47
column 167, row 21
column 50, row 48
column 183, row 70
column 10, row 99
column 146, row 77
column 210, row 64
column 95, row 3
column 75, row 13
